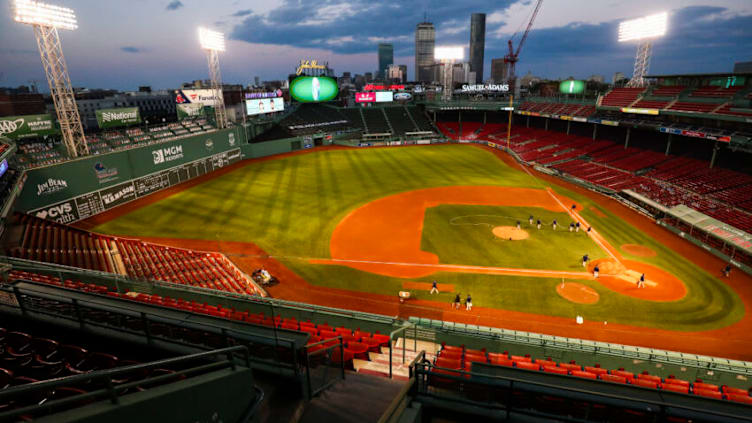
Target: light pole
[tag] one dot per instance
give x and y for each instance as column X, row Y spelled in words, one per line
column 213, row 42
column 645, row 30
column 447, row 56
column 46, row 19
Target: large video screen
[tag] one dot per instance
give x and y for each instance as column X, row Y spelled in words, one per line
column 313, row 89
column 260, row 106
column 572, row 87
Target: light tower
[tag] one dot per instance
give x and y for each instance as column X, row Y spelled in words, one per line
column 645, row 30
column 46, row 19
column 214, row 42
column 447, row 57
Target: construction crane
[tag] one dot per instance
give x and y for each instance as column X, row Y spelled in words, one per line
column 512, row 57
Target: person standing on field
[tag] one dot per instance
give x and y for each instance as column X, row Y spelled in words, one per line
column 595, row 271
column 530, row 219
column 539, row 224
column 585, row 259
column 434, row 288
column 554, row 224
column 468, row 303
column 457, row 301
column 641, row 282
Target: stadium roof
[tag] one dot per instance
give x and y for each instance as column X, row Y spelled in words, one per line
column 701, row 75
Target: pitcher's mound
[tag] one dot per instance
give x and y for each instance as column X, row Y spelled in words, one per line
column 577, row 293
column 510, row 232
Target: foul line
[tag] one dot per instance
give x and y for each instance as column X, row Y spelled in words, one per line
column 579, row 218
column 452, row 267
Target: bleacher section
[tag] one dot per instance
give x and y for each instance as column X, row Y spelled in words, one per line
column 562, row 109
column 420, row 119
column 375, row 121
column 715, row 92
column 670, row 180
column 686, row 106
column 313, row 118
column 372, row 353
column 50, row 242
column 35, row 153
column 400, row 120
column 621, row 97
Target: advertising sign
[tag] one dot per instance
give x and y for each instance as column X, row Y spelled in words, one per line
column 271, row 94
column 3, row 167
column 205, row 97
column 384, row 96
column 374, row 87
column 109, row 118
column 572, row 87
column 308, row 64
column 485, row 87
column 311, row 89
column 639, row 111
column 402, row 96
column 189, row 110
column 264, row 105
column 27, row 126
column 365, row 97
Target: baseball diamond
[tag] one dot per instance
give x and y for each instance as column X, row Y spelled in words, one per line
column 368, row 221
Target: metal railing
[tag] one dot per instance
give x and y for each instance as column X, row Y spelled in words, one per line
column 107, row 380
column 319, row 365
column 582, row 345
column 506, row 394
column 179, row 328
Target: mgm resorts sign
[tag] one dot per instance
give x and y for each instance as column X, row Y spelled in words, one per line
column 501, row 88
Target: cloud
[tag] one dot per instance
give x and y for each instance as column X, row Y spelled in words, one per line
column 174, row 5
column 240, row 13
column 131, row 49
column 354, row 26
column 700, row 39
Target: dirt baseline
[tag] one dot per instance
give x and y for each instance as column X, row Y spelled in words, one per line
column 510, row 233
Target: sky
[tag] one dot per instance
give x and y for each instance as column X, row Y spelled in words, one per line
column 124, row 44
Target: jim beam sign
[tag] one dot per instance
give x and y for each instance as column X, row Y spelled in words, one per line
column 109, row 118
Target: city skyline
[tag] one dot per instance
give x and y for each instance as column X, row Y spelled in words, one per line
column 125, row 47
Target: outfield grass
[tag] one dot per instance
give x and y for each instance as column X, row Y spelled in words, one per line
column 462, row 234
column 290, row 206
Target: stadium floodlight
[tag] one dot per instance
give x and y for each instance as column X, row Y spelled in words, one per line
column 211, row 40
column 449, row 53
column 36, row 13
column 643, row 29
column 214, row 42
column 652, row 26
column 46, row 19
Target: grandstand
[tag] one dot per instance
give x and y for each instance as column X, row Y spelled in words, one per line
column 34, row 152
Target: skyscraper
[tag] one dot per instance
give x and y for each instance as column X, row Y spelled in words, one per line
column 498, row 71
column 477, row 44
column 425, row 40
column 386, row 58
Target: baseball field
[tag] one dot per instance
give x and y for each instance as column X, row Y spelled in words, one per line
column 352, row 227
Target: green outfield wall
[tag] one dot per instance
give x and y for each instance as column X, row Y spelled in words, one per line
column 78, row 189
